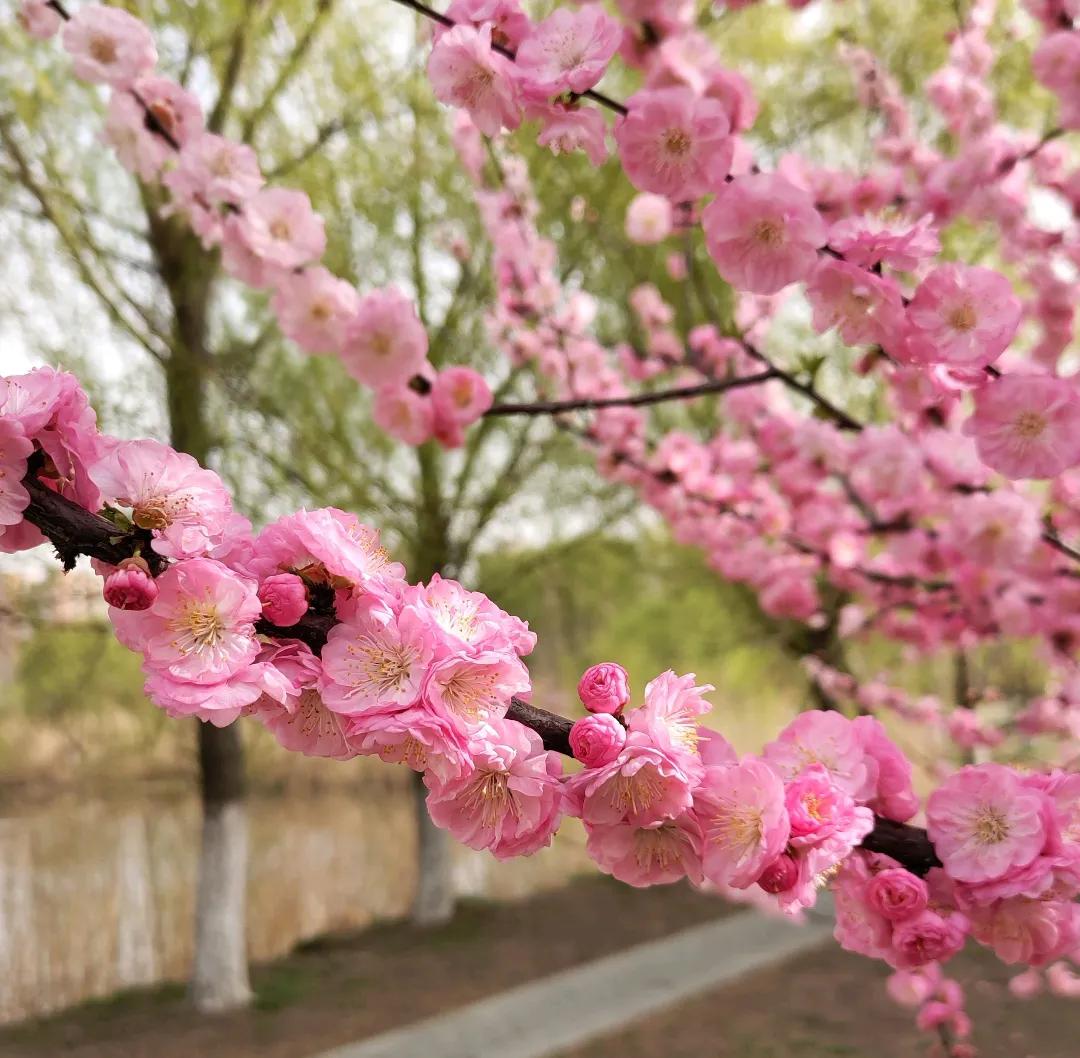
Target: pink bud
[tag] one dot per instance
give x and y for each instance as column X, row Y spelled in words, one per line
column 284, row 599
column 781, row 875
column 130, row 586
column 597, row 740
column 604, row 688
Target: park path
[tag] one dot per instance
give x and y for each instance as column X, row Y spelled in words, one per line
column 599, row 997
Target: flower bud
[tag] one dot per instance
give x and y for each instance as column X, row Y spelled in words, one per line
column 130, row 586
column 781, row 875
column 597, row 740
column 284, row 599
column 604, row 688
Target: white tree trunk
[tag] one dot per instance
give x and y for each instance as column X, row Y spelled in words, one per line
column 220, row 977
column 435, row 894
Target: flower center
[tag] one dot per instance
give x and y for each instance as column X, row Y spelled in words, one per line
column 103, row 49
column 963, row 318
column 381, row 668
column 768, row 232
column 991, row 827
column 490, row 796
column 739, row 828
column 321, row 311
column 468, row 694
column 677, row 142
column 657, row 846
column 638, row 792
column 1029, row 425
column 279, row 229
column 153, row 514
column 200, row 628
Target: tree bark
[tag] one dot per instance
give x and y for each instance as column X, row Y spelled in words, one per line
column 436, row 895
column 219, row 978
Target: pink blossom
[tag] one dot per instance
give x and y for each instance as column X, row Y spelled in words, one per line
column 326, row 548
column 1033, row 932
column 315, row 309
column 1026, row 985
column 642, row 856
column 473, row 687
column 597, row 739
column 186, row 507
column 763, row 233
column 669, row 715
column 674, row 143
column 863, row 307
column 860, row 925
column 984, row 824
column 376, row 660
column 568, row 51
column 465, row 72
column 108, row 46
column 1027, row 426
column 893, row 795
column 962, row 316
column 295, row 715
column 897, row 894
column 386, row 343
column 648, row 219
column 279, row 229
column 825, row 738
column 867, row 241
column 604, row 688
column 404, row 414
column 15, row 448
column 459, row 396
column 415, row 737
column 510, row 803
column 780, row 876
column 39, row 19
column 573, row 128
column 509, row 24
column 1056, row 64
column 130, row 587
column 284, row 599
column 743, row 819
column 818, row 810
column 641, row 786
column 1000, row 528
column 926, row 938
column 912, row 988
column 463, row 621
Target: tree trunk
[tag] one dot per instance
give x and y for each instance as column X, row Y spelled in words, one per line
column 435, row 893
column 220, row 973
column 435, row 896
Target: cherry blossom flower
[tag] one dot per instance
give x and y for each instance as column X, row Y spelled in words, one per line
column 1027, row 426
column 280, row 230
column 315, row 309
column 187, row 508
column 39, row 19
column 962, row 316
column 509, row 24
column 743, row 819
column 568, row 51
column 926, row 938
column 828, row 739
column 459, row 397
column 475, row 687
column 15, row 448
column 376, row 660
column 668, row 717
column 284, row 599
column 867, row 241
column 674, row 143
column 385, row 343
column 984, row 824
column 604, row 688
column 510, row 803
column 566, row 129
column 465, row 72
column 404, row 414
column 642, row 856
column 763, row 233
column 108, row 46
column 897, row 894
column 597, row 739
column 130, row 587
column 863, row 307
column 648, row 219
column 1056, row 64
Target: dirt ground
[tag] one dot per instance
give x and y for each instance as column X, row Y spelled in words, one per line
column 829, row 1004
column 343, row 988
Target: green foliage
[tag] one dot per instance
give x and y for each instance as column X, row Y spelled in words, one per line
column 65, row 670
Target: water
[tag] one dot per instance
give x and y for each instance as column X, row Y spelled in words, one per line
column 99, row 896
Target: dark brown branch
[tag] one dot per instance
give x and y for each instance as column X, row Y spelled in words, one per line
column 554, row 407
